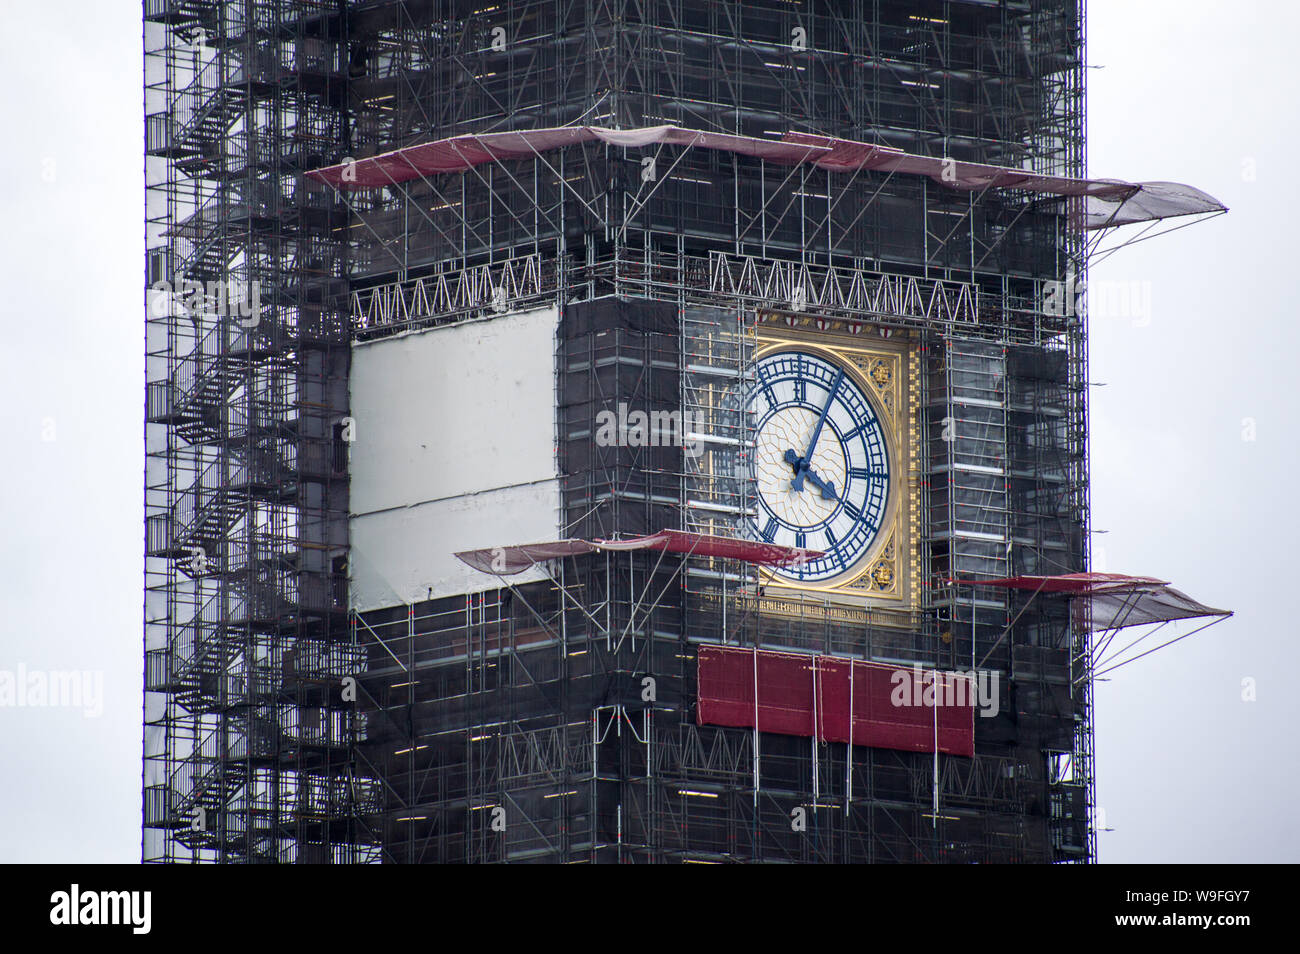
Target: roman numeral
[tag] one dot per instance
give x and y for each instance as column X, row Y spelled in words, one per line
column 765, row 389
column 864, row 473
column 769, row 531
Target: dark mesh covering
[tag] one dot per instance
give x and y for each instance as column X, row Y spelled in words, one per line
column 619, row 358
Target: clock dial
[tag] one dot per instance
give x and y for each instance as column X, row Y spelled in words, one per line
column 820, row 463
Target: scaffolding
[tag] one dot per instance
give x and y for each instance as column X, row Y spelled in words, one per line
column 246, row 738
column 563, row 713
column 514, row 723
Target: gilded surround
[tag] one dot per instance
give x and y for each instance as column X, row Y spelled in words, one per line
column 884, row 365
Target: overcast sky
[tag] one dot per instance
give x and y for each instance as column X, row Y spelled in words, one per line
column 1203, row 93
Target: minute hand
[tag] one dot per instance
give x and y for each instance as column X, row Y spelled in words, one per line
column 806, row 461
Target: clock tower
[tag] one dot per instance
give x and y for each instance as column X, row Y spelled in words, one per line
column 639, row 394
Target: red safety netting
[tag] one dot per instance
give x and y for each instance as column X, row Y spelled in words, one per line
column 1105, row 601
column 1107, row 202
column 506, row 561
column 844, row 155
column 827, row 697
column 461, row 153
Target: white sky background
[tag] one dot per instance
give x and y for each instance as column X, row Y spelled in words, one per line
column 1203, row 93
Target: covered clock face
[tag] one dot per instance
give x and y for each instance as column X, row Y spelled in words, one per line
column 820, row 462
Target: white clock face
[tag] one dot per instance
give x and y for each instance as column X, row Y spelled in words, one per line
column 820, row 462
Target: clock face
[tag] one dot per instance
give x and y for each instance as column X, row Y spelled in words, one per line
column 820, row 462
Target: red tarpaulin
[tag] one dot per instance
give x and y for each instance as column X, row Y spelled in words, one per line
column 845, row 154
column 461, row 153
column 1107, row 202
column 506, row 561
column 807, row 695
column 1073, row 584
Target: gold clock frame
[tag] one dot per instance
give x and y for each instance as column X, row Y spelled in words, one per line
column 887, row 369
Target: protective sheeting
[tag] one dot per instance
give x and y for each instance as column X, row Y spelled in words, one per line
column 461, row 153
column 1070, row 583
column 844, row 155
column 1105, row 601
column 710, row 545
column 1108, row 202
column 829, row 698
column 1154, row 200
column 506, row 561
column 404, row 555
column 1138, row 606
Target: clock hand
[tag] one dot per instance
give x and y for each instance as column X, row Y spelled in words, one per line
column 825, row 486
column 804, row 470
column 806, row 461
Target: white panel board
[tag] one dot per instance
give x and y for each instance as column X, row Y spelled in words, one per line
column 453, row 410
column 405, row 555
column 453, row 450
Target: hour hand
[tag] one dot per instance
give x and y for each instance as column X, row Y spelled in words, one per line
column 804, row 469
column 800, row 467
column 825, row 486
